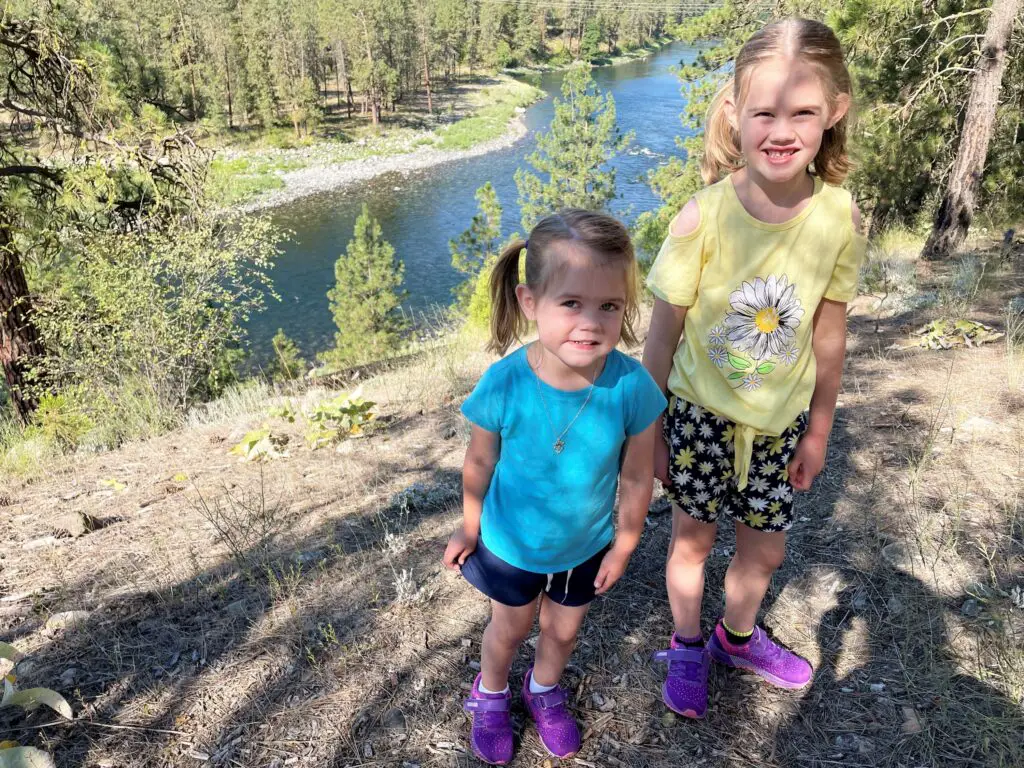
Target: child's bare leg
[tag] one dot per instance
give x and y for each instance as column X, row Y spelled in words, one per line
column 758, row 556
column 506, row 631
column 684, row 575
column 559, row 625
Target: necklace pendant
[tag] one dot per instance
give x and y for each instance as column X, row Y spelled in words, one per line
column 559, row 445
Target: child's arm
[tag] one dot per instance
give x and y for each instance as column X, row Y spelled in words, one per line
column 829, row 344
column 481, row 456
column 828, row 341
column 636, row 483
column 664, row 334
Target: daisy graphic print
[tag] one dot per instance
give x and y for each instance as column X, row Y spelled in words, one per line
column 758, row 333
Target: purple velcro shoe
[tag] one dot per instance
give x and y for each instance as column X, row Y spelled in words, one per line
column 762, row 656
column 491, row 736
column 556, row 725
column 686, row 686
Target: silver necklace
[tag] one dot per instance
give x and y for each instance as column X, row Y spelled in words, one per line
column 559, row 444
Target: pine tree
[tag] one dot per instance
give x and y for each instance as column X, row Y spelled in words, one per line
column 583, row 138
column 366, row 297
column 474, row 247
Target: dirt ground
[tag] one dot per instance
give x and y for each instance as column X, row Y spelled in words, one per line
column 343, row 643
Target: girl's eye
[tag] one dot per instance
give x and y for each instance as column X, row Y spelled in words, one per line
column 762, row 114
column 570, row 303
column 610, row 307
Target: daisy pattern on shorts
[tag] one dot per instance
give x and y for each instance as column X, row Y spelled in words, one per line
column 758, row 485
column 763, row 317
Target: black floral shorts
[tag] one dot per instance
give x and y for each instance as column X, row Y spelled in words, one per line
column 702, row 472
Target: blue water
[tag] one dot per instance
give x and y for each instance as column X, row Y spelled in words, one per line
column 420, row 212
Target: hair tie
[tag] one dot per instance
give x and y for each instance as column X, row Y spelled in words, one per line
column 526, row 245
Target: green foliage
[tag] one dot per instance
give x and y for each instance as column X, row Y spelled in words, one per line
column 946, row 334
column 476, row 245
column 478, row 313
column 260, row 445
column 287, row 363
column 582, row 139
column 29, row 699
column 367, row 296
column 344, row 416
column 60, row 421
column 150, row 322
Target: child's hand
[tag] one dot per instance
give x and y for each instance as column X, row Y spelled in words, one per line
column 808, row 461
column 661, row 459
column 460, row 546
column 613, row 565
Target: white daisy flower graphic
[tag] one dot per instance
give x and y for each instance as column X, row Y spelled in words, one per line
column 702, row 498
column 764, row 318
column 699, row 484
column 715, row 450
column 682, row 478
column 782, row 492
column 718, row 356
column 706, row 467
column 759, row 485
column 757, row 504
column 751, row 381
column 706, row 431
column 688, row 430
column 790, row 355
column 696, row 413
column 717, row 335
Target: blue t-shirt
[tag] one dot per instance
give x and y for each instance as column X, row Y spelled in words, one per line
column 547, row 512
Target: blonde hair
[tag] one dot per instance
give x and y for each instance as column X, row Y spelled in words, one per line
column 806, row 40
column 605, row 238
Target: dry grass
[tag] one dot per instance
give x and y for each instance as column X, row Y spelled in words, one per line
column 351, row 646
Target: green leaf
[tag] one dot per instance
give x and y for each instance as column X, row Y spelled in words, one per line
column 31, row 698
column 764, row 368
column 736, row 375
column 114, row 483
column 738, row 362
column 25, row 757
column 9, row 652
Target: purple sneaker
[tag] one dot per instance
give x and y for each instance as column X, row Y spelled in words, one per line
column 491, row 736
column 555, row 724
column 762, row 656
column 686, row 687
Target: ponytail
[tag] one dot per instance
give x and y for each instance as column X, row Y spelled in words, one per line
column 507, row 321
column 722, row 153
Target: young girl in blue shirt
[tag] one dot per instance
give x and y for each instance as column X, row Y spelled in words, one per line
column 557, row 426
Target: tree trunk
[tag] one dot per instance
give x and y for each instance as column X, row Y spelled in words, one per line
column 19, row 338
column 227, row 80
column 957, row 207
column 426, row 75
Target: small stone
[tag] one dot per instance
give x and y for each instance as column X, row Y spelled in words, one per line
column 668, row 719
column 394, row 720
column 911, row 721
column 67, row 678
column 608, row 706
column 474, row 665
column 970, row 608
column 367, row 750
column 894, row 606
column 860, row 602
column 598, row 699
column 202, row 756
column 877, row 687
column 846, row 690
column 40, row 543
column 66, row 619
column 73, row 524
column 466, row 642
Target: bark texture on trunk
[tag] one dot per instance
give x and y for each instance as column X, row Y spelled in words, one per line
column 957, row 207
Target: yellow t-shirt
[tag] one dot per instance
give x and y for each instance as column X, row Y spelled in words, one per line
column 752, row 289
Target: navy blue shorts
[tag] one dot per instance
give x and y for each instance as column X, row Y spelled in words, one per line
column 515, row 587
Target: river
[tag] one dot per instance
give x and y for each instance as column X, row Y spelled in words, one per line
column 421, row 211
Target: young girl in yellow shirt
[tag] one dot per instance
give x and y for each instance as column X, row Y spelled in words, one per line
column 757, row 269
